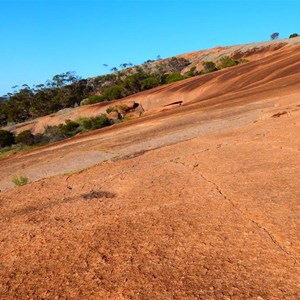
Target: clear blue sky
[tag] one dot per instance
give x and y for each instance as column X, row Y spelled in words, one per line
column 42, row 38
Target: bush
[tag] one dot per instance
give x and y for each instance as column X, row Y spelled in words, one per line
column 111, row 109
column 70, row 125
column 173, row 77
column 53, row 134
column 122, row 107
column 94, row 99
column 20, row 180
column 226, row 62
column 25, row 137
column 192, row 72
column 99, row 122
column 40, row 139
column 70, row 128
column 85, row 123
column 7, row 138
column 209, row 66
column 93, row 122
column 294, row 35
column 150, row 83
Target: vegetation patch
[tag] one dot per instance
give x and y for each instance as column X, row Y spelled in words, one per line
column 68, row 90
column 24, row 141
column 6, row 138
column 25, row 138
column 20, row 180
column 226, row 62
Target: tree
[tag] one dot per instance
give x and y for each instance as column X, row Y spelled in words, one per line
column 114, row 69
column 123, row 66
column 3, row 112
column 177, row 64
column 274, row 36
column 293, row 35
column 132, row 83
column 112, row 93
column 63, row 79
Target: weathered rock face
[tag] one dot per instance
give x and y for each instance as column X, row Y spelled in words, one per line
column 178, row 208
column 196, row 208
column 113, row 116
column 133, row 114
column 126, row 109
column 131, row 104
column 139, row 110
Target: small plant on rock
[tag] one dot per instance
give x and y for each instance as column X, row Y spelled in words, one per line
column 209, row 66
column 111, row 109
column 226, row 62
column 20, row 180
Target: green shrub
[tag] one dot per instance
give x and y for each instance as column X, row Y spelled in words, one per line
column 70, row 125
column 293, row 35
column 93, row 122
column 7, row 138
column 53, row 134
column 173, row 77
column 209, row 66
column 70, row 128
column 111, row 109
column 192, row 72
column 122, row 107
column 20, row 180
column 99, row 122
column 40, row 139
column 85, row 123
column 94, row 99
column 150, row 83
column 25, row 137
column 226, row 62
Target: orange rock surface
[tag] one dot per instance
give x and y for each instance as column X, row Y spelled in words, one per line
column 199, row 201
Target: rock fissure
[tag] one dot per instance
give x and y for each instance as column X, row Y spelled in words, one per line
column 219, row 190
column 266, row 231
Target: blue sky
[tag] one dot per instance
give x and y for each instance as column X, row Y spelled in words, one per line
column 42, row 38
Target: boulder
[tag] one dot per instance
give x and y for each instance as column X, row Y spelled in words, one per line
column 131, row 104
column 113, row 116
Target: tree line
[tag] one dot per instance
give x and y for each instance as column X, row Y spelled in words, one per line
column 69, row 90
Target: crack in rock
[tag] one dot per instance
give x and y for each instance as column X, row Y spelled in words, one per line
column 219, row 190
